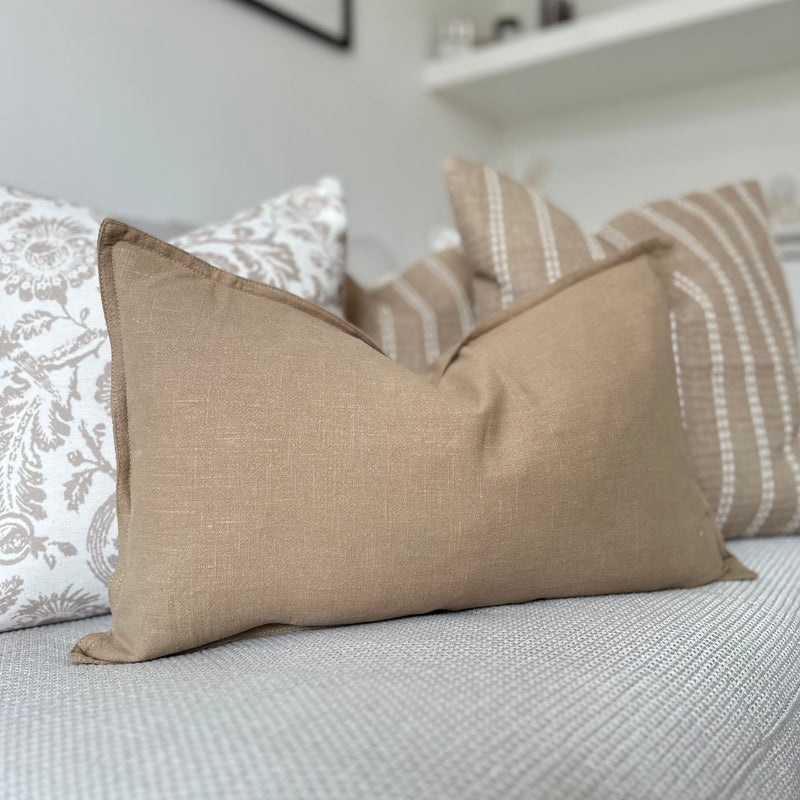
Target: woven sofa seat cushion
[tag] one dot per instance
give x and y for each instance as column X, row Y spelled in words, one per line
column 671, row 695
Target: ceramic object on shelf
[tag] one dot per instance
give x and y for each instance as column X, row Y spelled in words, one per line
column 507, row 28
column 554, row 12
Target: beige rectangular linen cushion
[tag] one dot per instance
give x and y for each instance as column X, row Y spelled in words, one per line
column 731, row 318
column 276, row 469
column 417, row 315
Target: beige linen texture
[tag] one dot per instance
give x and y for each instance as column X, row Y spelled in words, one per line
column 419, row 314
column 276, row 469
column 733, row 329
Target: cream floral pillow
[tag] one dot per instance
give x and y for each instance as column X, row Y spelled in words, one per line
column 295, row 242
column 58, row 527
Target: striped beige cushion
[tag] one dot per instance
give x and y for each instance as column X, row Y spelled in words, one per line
column 419, row 314
column 736, row 352
column 732, row 323
column 515, row 240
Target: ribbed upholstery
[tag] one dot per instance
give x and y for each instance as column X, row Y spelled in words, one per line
column 672, row 695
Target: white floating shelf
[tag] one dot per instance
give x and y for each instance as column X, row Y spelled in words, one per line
column 651, row 47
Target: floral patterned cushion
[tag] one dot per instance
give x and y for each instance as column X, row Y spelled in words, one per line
column 58, row 527
column 295, row 242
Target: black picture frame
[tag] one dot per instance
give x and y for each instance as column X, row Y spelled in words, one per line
column 343, row 42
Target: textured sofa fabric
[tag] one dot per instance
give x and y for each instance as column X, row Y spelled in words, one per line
column 677, row 694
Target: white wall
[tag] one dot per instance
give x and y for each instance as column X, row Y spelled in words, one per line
column 606, row 160
column 192, row 109
column 603, row 161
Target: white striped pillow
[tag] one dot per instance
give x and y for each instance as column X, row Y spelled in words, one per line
column 732, row 323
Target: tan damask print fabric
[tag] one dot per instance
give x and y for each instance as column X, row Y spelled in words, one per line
column 57, row 474
column 58, row 530
column 295, row 242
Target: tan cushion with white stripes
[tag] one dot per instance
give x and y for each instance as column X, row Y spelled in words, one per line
column 732, row 323
column 516, row 242
column 735, row 350
column 419, row 314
